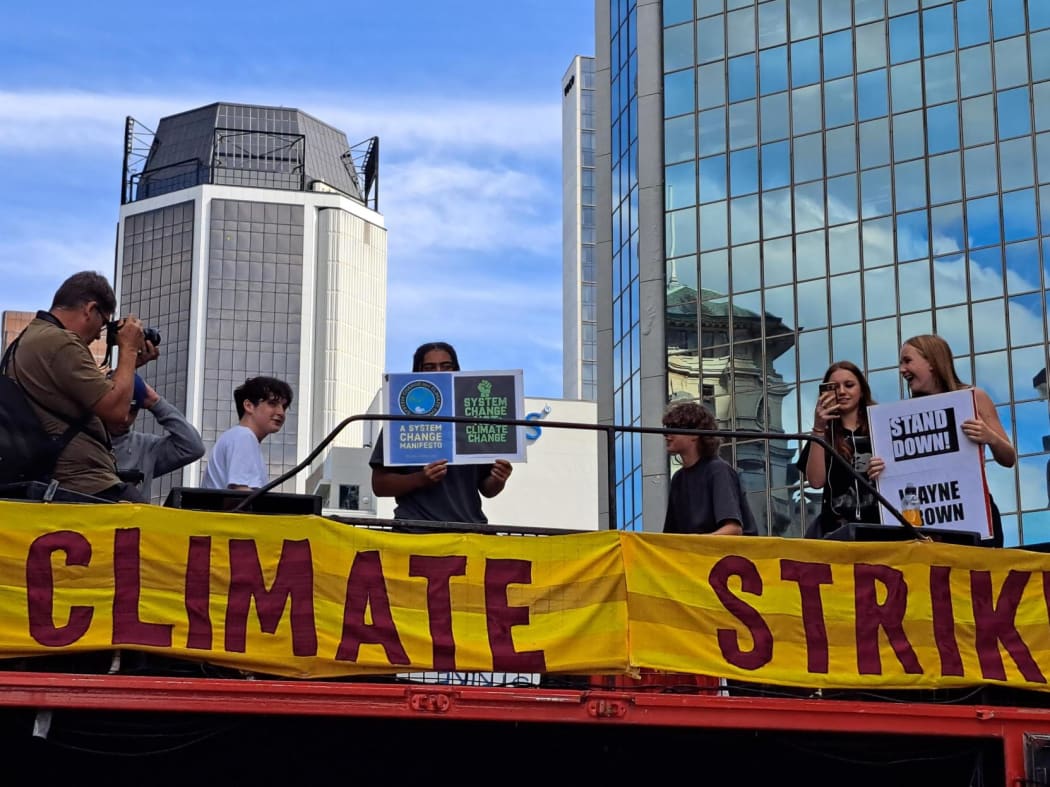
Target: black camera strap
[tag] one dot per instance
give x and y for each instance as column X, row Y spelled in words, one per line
column 47, row 317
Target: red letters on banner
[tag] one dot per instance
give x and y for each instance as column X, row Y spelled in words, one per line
column 880, row 600
column 40, row 589
column 292, row 587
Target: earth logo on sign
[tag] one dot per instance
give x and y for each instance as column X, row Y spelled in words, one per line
column 419, row 397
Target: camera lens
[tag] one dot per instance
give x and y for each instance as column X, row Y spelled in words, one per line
column 151, row 335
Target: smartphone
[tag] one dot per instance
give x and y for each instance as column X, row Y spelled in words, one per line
column 827, row 387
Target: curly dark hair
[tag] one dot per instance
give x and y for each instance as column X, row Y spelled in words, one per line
column 261, row 389
column 690, row 415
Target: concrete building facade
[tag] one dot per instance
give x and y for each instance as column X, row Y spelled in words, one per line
column 579, row 309
column 247, row 240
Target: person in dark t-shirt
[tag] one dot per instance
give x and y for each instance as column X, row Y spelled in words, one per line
column 706, row 494
column 438, row 492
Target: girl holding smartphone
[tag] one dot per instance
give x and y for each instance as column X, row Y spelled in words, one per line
column 840, row 418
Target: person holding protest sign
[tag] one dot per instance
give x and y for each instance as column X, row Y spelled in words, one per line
column 438, row 492
column 841, row 419
column 706, row 495
column 927, row 367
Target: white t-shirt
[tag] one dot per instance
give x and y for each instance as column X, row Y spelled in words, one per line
column 236, row 460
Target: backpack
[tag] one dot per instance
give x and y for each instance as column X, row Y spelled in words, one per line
column 27, row 451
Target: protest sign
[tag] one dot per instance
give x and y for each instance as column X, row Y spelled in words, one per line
column 928, row 456
column 484, row 396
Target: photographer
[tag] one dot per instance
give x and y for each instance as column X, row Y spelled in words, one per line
column 64, row 385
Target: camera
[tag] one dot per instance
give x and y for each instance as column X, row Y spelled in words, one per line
column 151, row 335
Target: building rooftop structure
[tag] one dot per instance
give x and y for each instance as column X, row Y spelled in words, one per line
column 246, row 145
column 251, row 237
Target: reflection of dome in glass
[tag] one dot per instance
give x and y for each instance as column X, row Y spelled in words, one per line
column 420, row 401
column 717, row 315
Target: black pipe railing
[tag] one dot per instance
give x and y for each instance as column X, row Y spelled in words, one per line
column 166, row 179
column 610, row 431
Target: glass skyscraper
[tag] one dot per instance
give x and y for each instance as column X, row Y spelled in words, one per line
column 792, row 182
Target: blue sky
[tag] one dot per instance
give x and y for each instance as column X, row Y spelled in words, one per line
column 465, row 96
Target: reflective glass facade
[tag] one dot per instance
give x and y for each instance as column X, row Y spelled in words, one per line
column 626, row 335
column 839, row 175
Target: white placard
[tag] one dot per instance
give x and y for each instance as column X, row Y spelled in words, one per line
column 922, row 442
column 484, row 395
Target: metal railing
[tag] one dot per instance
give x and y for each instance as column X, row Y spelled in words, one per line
column 270, row 159
column 362, row 164
column 138, row 142
column 239, row 157
column 163, row 180
column 610, row 431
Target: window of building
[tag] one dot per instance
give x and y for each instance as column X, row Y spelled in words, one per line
column 349, row 497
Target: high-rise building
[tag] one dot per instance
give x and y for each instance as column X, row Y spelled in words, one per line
column 12, row 323
column 784, row 183
column 247, row 236
column 579, row 318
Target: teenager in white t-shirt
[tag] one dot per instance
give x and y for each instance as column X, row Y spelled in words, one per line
column 236, row 461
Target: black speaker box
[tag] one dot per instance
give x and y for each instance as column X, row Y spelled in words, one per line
column 199, row 499
column 863, row 531
column 1043, row 547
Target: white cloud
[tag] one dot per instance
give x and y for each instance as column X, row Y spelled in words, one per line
column 491, row 311
column 34, row 264
column 409, row 123
column 36, row 121
column 460, row 205
column 470, row 192
column 487, row 291
column 40, row 120
column 466, row 175
column 494, row 323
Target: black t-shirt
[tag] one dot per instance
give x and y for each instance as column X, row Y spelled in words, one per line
column 705, row 495
column 456, row 499
column 844, row 499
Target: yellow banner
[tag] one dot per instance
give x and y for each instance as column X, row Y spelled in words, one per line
column 305, row 596
column 309, row 597
column 833, row 614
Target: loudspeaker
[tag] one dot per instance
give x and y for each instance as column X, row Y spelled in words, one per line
column 864, row 531
column 1043, row 547
column 199, row 499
